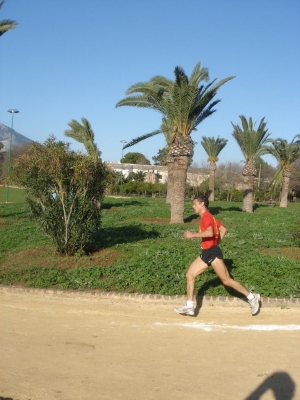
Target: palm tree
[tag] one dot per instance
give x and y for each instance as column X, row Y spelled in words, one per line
column 83, row 133
column 213, row 147
column 251, row 142
column 6, row 24
column 286, row 154
column 183, row 103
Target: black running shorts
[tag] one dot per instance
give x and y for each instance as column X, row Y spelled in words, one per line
column 208, row 255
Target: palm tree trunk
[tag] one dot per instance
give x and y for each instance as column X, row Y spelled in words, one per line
column 170, row 181
column 285, row 187
column 248, row 194
column 212, row 174
column 249, row 172
column 178, row 191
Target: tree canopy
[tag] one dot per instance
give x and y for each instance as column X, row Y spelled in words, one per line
column 135, row 158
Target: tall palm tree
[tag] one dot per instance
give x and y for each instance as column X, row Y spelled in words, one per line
column 286, row 154
column 6, row 24
column 83, row 133
column 213, row 147
column 184, row 103
column 251, row 142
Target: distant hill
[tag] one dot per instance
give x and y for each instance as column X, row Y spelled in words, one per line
column 17, row 138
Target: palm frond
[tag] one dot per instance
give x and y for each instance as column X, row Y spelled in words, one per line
column 140, row 138
column 198, row 74
column 183, row 103
column 143, row 101
column 220, row 83
column 251, row 141
column 144, row 87
column 161, row 81
column 276, row 181
column 284, row 152
column 208, row 111
column 180, row 76
column 213, row 146
column 6, row 25
column 83, row 133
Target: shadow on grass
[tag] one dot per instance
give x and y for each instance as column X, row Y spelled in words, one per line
column 191, row 218
column 213, row 210
column 108, row 205
column 13, row 210
column 109, row 237
column 217, row 210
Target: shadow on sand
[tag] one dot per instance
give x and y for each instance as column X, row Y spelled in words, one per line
column 280, row 383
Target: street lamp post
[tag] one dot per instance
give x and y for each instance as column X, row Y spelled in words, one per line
column 12, row 111
column 121, row 177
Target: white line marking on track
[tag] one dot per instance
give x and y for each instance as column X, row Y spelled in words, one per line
column 211, row 326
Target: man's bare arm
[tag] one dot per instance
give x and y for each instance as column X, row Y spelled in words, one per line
column 207, row 233
column 222, row 231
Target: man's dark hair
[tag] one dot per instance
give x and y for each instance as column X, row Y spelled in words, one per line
column 202, row 199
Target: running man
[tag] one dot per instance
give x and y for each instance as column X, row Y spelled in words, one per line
column 211, row 255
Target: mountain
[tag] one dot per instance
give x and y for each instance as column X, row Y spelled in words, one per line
column 17, row 138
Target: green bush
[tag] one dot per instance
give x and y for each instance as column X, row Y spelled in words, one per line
column 64, row 191
column 141, row 189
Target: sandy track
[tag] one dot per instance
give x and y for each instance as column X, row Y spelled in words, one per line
column 81, row 347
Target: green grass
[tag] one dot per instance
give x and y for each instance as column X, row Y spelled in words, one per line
column 259, row 250
column 15, row 195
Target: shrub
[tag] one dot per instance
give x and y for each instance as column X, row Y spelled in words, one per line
column 64, row 190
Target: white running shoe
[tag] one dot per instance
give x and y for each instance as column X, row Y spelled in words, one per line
column 254, row 303
column 185, row 310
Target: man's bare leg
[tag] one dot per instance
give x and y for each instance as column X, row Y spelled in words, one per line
column 222, row 272
column 197, row 267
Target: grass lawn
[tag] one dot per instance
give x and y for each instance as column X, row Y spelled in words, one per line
column 140, row 252
column 15, row 195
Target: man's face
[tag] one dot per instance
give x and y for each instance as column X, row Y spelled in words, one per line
column 197, row 206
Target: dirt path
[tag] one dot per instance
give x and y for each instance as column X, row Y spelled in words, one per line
column 59, row 347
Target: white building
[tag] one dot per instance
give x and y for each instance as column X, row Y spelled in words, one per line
column 159, row 173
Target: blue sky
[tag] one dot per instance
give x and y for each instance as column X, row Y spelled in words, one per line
column 70, row 59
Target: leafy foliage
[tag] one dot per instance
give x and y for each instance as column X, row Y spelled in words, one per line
column 136, row 176
column 161, row 157
column 63, row 188
column 140, row 188
column 135, row 158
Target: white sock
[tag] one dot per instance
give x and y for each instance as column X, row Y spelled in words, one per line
column 190, row 304
column 250, row 296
